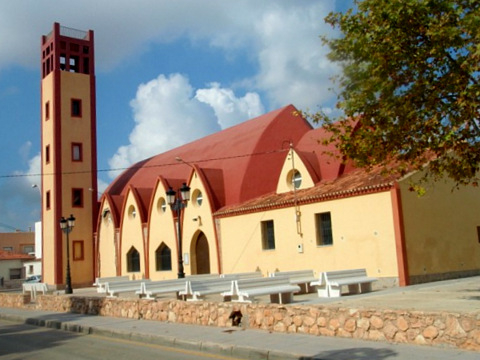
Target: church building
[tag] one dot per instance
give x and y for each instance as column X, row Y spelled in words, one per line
column 263, row 195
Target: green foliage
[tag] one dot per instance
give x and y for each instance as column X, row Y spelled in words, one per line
column 410, row 80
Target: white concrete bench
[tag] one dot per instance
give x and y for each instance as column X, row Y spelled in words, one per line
column 279, row 289
column 198, row 289
column 33, row 288
column 151, row 289
column 118, row 287
column 242, row 275
column 303, row 278
column 202, row 276
column 331, row 282
column 101, row 281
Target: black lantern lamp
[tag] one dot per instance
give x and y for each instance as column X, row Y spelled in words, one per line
column 67, row 226
column 177, row 204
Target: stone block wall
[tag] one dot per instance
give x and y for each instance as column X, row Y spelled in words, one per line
column 396, row 326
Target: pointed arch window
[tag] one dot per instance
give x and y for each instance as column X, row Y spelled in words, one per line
column 133, row 260
column 163, row 258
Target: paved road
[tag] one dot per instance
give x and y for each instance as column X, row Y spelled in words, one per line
column 20, row 341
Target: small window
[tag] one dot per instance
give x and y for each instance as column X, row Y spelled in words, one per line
column 47, row 110
column 77, row 197
column 28, row 249
column 161, row 205
column 163, row 258
column 30, row 269
column 324, row 229
column 268, row 235
column 16, row 274
column 294, row 179
column 107, row 216
column 47, row 200
column 74, row 64
column 133, row 260
column 78, row 254
column 197, row 198
column 132, row 213
column 86, row 65
column 77, row 152
column 47, row 154
column 76, row 108
column 8, row 248
column 63, row 62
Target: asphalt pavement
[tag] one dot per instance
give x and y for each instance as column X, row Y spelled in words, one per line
column 461, row 295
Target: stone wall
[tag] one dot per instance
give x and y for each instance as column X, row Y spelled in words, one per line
column 396, row 326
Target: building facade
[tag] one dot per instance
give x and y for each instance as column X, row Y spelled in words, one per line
column 266, row 195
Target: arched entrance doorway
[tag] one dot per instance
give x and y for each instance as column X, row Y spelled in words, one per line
column 200, row 255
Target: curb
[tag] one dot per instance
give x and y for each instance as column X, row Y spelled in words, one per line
column 209, row 347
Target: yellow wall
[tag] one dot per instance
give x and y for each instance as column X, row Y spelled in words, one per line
column 204, row 223
column 73, row 175
column 441, row 228
column 75, row 85
column 107, row 244
column 131, row 235
column 363, row 237
column 161, row 231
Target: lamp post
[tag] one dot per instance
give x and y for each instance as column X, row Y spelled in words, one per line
column 178, row 203
column 67, row 226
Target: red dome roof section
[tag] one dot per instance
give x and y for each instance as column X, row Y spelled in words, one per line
column 268, row 156
column 329, row 163
column 241, row 162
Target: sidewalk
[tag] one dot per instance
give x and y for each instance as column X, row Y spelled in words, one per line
column 235, row 342
column 460, row 295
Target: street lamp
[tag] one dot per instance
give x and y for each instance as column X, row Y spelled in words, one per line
column 177, row 204
column 67, row 227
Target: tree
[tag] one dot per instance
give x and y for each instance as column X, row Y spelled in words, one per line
column 409, row 89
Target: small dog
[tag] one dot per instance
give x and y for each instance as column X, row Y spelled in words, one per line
column 236, row 317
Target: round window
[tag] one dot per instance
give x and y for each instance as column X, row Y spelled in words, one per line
column 294, row 179
column 161, row 205
column 197, row 198
column 132, row 212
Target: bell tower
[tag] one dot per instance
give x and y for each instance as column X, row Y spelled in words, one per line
column 69, row 153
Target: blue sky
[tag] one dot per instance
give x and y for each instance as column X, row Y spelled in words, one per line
column 167, row 72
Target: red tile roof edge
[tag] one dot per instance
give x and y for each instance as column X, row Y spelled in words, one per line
column 302, row 200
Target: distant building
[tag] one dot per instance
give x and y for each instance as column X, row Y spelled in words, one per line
column 15, row 249
column 264, row 196
column 19, row 256
column 18, row 242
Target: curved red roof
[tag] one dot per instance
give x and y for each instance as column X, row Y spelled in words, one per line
column 237, row 164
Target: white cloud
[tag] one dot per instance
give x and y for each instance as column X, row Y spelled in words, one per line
column 168, row 114
column 293, row 64
column 229, row 109
column 282, row 37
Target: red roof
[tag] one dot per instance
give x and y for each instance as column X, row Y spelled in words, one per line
column 237, row 164
column 7, row 255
